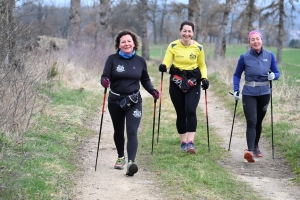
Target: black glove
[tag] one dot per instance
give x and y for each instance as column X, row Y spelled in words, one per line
column 205, row 83
column 162, row 68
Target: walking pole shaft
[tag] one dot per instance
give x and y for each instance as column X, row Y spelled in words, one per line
column 272, row 119
column 154, row 110
column 207, row 128
column 104, row 97
column 161, row 83
column 236, row 102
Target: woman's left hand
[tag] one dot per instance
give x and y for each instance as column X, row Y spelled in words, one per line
column 155, row 93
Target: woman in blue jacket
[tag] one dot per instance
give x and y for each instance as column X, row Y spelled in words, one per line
column 259, row 67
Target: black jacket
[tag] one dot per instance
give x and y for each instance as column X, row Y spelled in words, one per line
column 125, row 75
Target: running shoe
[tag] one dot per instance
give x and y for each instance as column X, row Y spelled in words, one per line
column 120, row 163
column 191, row 148
column 248, row 155
column 183, row 146
column 132, row 168
column 257, row 152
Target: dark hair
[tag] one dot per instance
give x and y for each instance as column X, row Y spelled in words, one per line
column 189, row 23
column 134, row 36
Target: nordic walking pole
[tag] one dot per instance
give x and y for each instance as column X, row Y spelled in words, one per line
column 153, row 124
column 207, row 128
column 104, row 97
column 272, row 119
column 161, row 83
column 236, row 102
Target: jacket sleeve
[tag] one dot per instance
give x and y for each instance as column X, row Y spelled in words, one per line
column 168, row 59
column 201, row 62
column 274, row 67
column 145, row 80
column 107, row 68
column 238, row 73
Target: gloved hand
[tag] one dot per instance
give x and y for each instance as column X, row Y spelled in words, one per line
column 162, row 68
column 155, row 93
column 271, row 76
column 105, row 82
column 236, row 95
column 205, row 83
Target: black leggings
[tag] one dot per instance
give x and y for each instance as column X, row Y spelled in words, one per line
column 132, row 118
column 255, row 108
column 185, row 104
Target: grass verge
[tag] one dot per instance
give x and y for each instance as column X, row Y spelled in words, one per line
column 39, row 165
column 193, row 176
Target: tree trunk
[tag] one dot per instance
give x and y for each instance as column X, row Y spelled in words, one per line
column 194, row 15
column 280, row 31
column 144, row 20
column 102, row 30
column 75, row 21
column 163, row 15
column 220, row 45
column 9, row 35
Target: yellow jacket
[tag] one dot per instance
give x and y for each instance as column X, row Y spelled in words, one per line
column 186, row 57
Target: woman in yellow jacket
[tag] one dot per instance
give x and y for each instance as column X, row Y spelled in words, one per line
column 185, row 60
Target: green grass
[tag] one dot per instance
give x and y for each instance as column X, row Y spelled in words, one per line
column 177, row 169
column 39, row 167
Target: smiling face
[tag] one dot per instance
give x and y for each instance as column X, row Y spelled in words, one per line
column 187, row 34
column 126, row 44
column 255, row 42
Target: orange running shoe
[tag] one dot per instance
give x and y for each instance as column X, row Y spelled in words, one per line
column 248, row 155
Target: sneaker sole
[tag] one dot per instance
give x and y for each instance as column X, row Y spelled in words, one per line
column 132, row 170
column 249, row 157
column 259, row 155
column 118, row 167
column 191, row 151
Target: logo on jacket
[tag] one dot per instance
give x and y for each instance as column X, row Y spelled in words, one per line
column 137, row 113
column 120, row 68
column 193, row 56
column 265, row 60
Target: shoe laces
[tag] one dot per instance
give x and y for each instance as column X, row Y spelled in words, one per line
column 119, row 161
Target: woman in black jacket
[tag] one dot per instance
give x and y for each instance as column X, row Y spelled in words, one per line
column 123, row 72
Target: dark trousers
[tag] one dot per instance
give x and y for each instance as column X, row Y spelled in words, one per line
column 255, row 108
column 131, row 118
column 185, row 104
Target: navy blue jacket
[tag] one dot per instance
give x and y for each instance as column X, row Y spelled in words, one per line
column 256, row 67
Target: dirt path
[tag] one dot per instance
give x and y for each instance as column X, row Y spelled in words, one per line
column 270, row 177
column 108, row 183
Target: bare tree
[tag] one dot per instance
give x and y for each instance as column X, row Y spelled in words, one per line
column 194, row 14
column 220, row 45
column 102, row 28
column 276, row 10
column 153, row 10
column 164, row 12
column 75, row 20
column 144, row 20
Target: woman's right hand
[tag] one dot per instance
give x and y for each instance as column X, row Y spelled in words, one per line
column 105, row 82
column 236, row 95
column 162, row 68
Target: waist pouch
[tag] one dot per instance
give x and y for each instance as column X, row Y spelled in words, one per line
column 185, row 79
column 129, row 100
